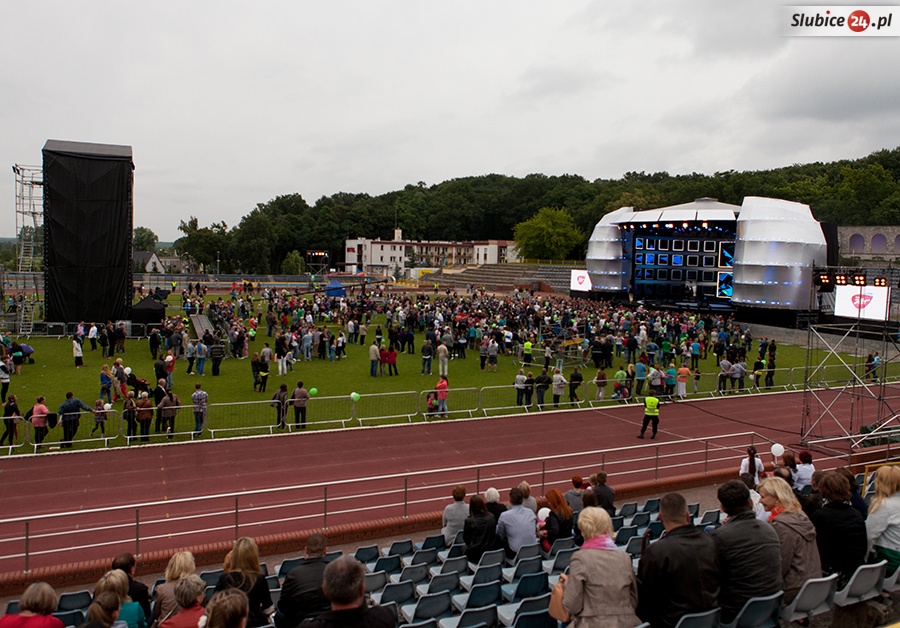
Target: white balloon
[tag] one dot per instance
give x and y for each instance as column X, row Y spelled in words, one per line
column 107, row 406
column 777, row 450
column 128, row 370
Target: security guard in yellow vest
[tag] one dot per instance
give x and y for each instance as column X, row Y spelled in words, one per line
column 651, row 415
column 527, row 350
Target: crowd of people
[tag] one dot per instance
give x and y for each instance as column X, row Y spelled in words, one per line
column 780, row 529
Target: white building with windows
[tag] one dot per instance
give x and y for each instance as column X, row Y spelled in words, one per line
column 397, row 257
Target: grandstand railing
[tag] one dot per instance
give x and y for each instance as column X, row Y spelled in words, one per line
column 250, row 418
column 226, row 516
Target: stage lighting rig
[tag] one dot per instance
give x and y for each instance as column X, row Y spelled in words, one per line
column 859, row 278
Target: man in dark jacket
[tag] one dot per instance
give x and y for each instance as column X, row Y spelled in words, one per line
column 137, row 591
column 606, row 496
column 301, row 594
column 840, row 529
column 679, row 574
column 749, row 552
column 158, row 393
column 69, row 413
column 344, row 585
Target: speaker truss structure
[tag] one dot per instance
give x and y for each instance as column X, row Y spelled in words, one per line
column 29, row 216
column 842, row 389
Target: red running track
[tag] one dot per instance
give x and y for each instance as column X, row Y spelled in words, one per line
column 62, row 484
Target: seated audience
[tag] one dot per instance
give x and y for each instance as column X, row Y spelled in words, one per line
column 130, row 612
column 104, row 611
column 796, row 534
column 811, row 502
column 558, row 524
column 856, row 498
column 344, row 585
column 840, row 529
column 301, row 593
column 883, row 523
column 36, row 608
column 189, row 594
column 748, row 550
column 242, row 571
column 137, row 591
column 588, row 499
column 573, row 495
column 606, row 496
column 528, row 499
column 600, row 589
column 679, row 573
column 454, row 515
column 229, row 608
column 480, row 530
column 181, row 565
column 518, row 525
column 805, row 471
column 492, row 502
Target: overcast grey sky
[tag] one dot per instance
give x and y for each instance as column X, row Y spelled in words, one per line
column 229, row 104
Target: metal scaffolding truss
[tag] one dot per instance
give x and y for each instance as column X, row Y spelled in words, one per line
column 832, row 380
column 29, row 216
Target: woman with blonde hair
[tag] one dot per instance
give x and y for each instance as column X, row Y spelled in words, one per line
column 244, row 573
column 796, row 535
column 36, row 608
column 180, row 566
column 883, row 522
column 228, row 609
column 116, row 581
column 601, row 588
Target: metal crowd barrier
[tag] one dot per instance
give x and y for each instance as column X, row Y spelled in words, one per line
column 259, row 417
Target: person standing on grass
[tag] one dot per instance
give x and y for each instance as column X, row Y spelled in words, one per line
column 202, row 353
column 169, row 409
column 144, row 415
column 39, row 414
column 5, row 372
column 427, row 357
column 99, row 418
column 441, row 388
column 279, row 402
column 11, row 414
column 299, row 397
column 69, row 413
column 199, row 399
column 77, row 352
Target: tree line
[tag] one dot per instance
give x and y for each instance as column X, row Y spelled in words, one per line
column 273, row 237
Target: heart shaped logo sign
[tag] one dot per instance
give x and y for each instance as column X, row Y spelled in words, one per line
column 860, row 301
column 580, row 280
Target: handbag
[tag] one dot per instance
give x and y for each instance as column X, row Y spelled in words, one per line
column 557, row 610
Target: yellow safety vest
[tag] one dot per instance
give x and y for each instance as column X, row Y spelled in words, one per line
column 651, row 406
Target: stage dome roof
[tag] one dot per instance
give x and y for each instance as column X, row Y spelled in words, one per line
column 703, row 209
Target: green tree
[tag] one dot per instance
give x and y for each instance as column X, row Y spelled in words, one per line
column 253, row 239
column 550, row 234
column 206, row 245
column 144, row 239
column 293, row 263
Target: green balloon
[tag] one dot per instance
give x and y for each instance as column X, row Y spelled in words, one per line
column 354, row 396
column 313, row 392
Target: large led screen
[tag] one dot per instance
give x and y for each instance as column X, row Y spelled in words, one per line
column 866, row 302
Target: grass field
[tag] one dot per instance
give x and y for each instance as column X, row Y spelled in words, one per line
column 53, row 374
